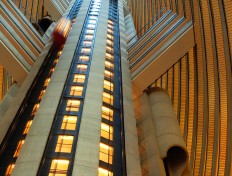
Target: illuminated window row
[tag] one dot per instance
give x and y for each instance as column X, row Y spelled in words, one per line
column 106, row 151
column 64, row 143
column 82, row 67
column 76, row 90
column 34, row 110
column 9, row 169
column 106, row 131
column 108, row 98
column 73, row 105
column 108, row 85
column 104, row 172
column 109, row 65
column 69, row 122
column 109, row 75
column 107, row 113
column 59, row 167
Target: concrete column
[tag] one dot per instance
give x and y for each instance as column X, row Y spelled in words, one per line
column 31, row 153
column 87, row 152
column 131, row 138
column 169, row 137
column 150, row 159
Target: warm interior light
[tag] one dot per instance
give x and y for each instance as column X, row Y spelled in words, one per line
column 104, row 172
column 79, row 78
column 69, row 122
column 109, row 64
column 82, row 67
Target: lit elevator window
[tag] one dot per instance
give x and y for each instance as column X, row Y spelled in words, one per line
column 35, row 108
column 109, row 48
column 84, row 58
column 108, row 74
column 76, row 90
column 46, row 82
column 9, row 170
column 59, row 167
column 86, row 50
column 94, row 10
column 98, row 3
column 69, row 122
column 95, row 6
column 78, row 78
column 59, row 53
column 19, row 146
column 110, row 22
column 104, row 172
column 87, row 43
column 89, row 31
column 64, row 144
column 108, row 98
column 41, row 94
column 109, row 36
column 106, row 131
column 110, row 26
column 107, row 113
column 82, row 67
column 73, row 105
column 27, row 128
column 109, row 42
column 110, row 31
column 106, row 153
column 108, row 85
column 93, row 17
column 92, row 21
column 51, row 70
column 88, row 37
column 55, row 61
column 109, row 64
column 109, row 56
column 91, row 26
column 93, row 13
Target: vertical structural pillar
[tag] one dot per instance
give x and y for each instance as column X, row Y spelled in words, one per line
column 171, row 144
column 131, row 138
column 150, row 158
column 34, row 145
column 87, row 151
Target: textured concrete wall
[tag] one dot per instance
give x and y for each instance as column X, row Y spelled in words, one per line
column 169, row 137
column 31, row 153
column 87, row 152
column 150, row 158
column 131, row 139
